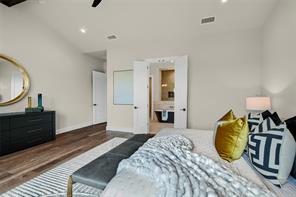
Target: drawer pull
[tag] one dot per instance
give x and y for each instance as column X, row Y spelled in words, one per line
column 36, row 120
column 35, row 140
column 34, row 130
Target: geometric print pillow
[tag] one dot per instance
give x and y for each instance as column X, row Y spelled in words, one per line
column 266, row 125
column 254, row 120
column 272, row 152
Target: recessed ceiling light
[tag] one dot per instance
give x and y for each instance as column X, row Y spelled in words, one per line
column 83, row 30
column 224, row 1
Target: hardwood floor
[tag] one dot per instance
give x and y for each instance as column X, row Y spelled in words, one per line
column 22, row 166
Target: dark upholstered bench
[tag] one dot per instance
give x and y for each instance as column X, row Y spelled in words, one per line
column 100, row 171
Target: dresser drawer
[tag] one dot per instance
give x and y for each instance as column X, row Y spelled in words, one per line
column 30, row 120
column 30, row 136
column 31, row 132
column 4, row 124
column 4, row 142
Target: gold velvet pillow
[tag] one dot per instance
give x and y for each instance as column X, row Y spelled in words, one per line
column 231, row 138
column 228, row 116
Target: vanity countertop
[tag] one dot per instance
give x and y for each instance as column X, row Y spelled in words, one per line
column 168, row 110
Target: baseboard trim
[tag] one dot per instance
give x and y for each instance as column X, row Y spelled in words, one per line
column 121, row 129
column 73, row 127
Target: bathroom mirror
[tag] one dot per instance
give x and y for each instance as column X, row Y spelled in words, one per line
column 168, row 85
column 14, row 81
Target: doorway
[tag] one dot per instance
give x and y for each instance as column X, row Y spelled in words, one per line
column 161, row 96
column 99, row 97
column 160, row 100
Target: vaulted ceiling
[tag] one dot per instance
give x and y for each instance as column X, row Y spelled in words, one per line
column 142, row 20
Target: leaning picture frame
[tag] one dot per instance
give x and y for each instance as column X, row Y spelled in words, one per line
column 123, row 87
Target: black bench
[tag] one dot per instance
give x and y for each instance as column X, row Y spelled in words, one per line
column 100, row 171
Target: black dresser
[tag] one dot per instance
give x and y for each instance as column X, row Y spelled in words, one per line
column 23, row 130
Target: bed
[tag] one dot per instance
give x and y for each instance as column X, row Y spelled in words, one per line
column 128, row 183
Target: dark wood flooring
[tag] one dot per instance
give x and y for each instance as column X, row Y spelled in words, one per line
column 24, row 165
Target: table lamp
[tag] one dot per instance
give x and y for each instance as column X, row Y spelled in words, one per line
column 258, row 103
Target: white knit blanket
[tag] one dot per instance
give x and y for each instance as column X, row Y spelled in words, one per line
column 177, row 171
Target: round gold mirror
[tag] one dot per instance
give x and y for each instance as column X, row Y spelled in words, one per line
column 14, row 81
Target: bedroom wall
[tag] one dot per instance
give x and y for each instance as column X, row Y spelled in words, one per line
column 279, row 59
column 1, row 26
column 224, row 68
column 56, row 68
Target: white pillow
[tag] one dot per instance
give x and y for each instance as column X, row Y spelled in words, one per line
column 287, row 157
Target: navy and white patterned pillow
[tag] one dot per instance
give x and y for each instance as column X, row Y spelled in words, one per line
column 254, row 120
column 271, row 150
column 265, row 126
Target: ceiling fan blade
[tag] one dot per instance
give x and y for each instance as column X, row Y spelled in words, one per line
column 96, row 3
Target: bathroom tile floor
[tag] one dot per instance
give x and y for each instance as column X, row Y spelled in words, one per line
column 156, row 126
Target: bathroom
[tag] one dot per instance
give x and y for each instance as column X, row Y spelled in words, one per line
column 161, row 96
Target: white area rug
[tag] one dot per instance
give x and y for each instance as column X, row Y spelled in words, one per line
column 54, row 182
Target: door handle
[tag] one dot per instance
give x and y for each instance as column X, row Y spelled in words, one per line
column 184, row 109
column 35, row 120
column 95, row 104
column 135, row 107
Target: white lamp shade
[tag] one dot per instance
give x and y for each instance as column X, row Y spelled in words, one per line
column 258, row 103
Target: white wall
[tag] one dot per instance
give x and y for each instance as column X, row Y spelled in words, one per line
column 279, row 58
column 56, row 68
column 1, row 26
column 100, row 64
column 224, row 69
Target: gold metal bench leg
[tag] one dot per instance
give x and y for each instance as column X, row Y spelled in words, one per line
column 70, row 187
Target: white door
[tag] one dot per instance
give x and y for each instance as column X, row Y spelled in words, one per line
column 181, row 75
column 141, row 97
column 99, row 97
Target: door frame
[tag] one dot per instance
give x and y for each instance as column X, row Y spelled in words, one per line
column 152, row 95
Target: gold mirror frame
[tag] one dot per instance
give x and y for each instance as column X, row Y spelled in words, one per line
column 26, row 79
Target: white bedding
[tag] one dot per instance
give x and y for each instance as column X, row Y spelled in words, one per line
column 129, row 184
